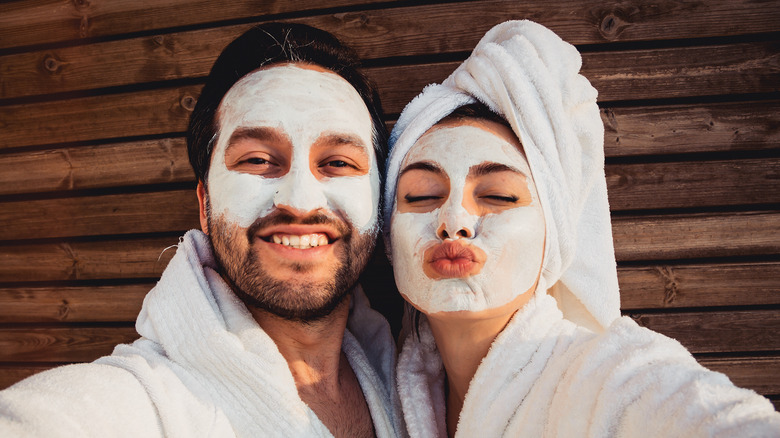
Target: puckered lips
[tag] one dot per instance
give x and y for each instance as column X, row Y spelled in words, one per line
column 453, row 259
column 299, row 242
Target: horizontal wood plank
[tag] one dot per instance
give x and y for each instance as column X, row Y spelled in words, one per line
column 61, row 344
column 630, row 186
column 756, row 373
column 47, row 21
column 636, row 238
column 629, row 131
column 693, row 184
column 676, row 129
column 454, row 26
column 100, row 117
column 742, row 68
column 96, row 215
column 109, row 259
column 718, row 332
column 89, row 167
column 696, row 235
column 72, row 304
column 699, row 285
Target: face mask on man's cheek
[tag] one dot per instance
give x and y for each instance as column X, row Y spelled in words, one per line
column 242, row 198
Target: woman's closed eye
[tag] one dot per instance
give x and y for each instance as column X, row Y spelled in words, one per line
column 509, row 199
column 421, row 198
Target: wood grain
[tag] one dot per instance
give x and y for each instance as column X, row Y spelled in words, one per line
column 107, row 259
column 89, row 167
column 699, row 285
column 676, row 129
column 718, row 332
column 95, row 215
column 47, row 21
column 696, row 235
column 72, row 304
column 383, row 30
column 98, row 117
column 693, row 184
column 61, row 344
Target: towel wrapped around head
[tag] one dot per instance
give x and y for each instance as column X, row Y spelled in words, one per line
column 524, row 72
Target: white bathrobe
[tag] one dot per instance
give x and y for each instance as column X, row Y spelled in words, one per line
column 203, row 367
column 567, row 365
column 545, row 376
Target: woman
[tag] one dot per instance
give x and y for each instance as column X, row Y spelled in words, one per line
column 498, row 229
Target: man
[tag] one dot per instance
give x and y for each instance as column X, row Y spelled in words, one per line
column 257, row 327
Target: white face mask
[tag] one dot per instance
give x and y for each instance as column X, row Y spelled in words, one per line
column 304, row 105
column 468, row 247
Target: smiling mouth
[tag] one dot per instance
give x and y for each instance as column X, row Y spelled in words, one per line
column 298, row 241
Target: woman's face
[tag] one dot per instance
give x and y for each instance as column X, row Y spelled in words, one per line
column 467, row 229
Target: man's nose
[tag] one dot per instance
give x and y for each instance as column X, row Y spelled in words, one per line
column 455, row 222
column 300, row 192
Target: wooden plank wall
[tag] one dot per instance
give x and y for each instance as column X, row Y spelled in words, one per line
column 95, row 183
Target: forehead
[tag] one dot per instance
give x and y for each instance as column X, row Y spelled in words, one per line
column 295, row 98
column 457, row 146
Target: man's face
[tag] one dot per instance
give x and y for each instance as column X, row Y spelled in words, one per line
column 292, row 190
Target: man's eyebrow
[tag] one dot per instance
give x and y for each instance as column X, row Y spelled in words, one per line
column 422, row 165
column 255, row 133
column 342, row 139
column 490, row 167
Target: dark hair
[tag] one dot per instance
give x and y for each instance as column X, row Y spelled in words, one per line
column 276, row 43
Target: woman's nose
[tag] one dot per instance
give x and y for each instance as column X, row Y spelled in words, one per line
column 455, row 222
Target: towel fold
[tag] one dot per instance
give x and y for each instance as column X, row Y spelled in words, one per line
column 527, row 74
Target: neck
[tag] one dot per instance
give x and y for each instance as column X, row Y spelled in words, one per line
column 462, row 343
column 312, row 349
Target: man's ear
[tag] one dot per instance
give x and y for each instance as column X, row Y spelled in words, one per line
column 204, row 223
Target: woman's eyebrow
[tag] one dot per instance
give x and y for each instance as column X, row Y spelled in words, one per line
column 490, row 167
column 422, row 165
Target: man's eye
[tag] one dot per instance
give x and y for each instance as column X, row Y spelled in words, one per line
column 257, row 160
column 337, row 163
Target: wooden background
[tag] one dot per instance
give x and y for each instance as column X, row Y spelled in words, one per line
column 95, row 183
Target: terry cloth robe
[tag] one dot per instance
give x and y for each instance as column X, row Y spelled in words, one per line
column 545, row 376
column 567, row 364
column 203, row 367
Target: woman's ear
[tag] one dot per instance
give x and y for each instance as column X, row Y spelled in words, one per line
column 204, row 223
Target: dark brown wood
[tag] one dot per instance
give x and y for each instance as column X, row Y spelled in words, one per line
column 61, row 344
column 101, row 117
column 72, row 304
column 106, row 214
column 696, row 235
column 87, row 167
column 699, row 285
column 629, row 131
column 756, row 373
column 693, row 184
column 117, row 258
column 46, row 21
column 691, row 128
column 637, row 186
column 718, row 332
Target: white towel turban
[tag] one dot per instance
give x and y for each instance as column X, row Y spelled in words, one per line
column 526, row 73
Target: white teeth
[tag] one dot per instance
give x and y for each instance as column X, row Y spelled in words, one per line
column 300, row 242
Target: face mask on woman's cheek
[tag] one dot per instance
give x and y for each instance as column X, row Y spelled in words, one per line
column 512, row 240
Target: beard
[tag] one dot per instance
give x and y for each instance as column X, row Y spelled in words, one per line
column 302, row 301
